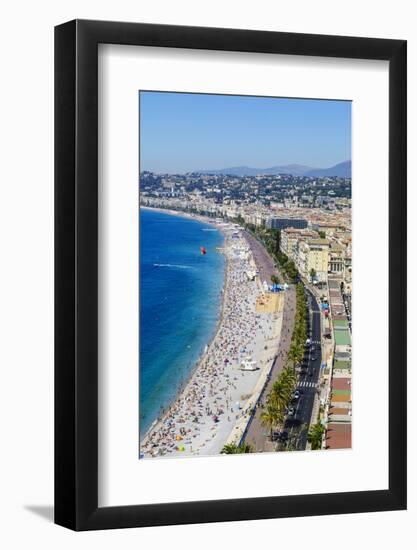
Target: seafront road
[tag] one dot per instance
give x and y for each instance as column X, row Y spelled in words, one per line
column 309, row 381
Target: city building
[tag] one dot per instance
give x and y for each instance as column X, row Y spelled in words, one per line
column 313, row 255
column 329, row 228
column 290, row 238
column 338, row 404
column 284, row 223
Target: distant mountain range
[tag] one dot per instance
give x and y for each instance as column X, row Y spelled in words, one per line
column 342, row 170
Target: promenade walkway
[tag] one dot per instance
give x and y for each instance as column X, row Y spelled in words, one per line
column 263, row 260
column 257, row 435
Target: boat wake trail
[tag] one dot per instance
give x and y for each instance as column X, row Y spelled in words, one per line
column 173, row 265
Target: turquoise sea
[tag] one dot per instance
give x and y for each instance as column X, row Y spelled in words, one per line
column 180, row 300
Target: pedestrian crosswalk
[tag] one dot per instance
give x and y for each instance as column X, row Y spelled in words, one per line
column 307, row 384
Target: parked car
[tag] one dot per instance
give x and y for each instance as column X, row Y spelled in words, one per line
column 280, row 435
column 283, row 436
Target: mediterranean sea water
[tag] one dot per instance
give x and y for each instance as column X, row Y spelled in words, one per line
column 180, row 301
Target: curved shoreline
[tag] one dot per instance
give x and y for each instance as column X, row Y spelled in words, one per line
column 214, row 406
column 182, row 387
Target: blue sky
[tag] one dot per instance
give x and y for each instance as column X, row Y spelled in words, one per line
column 186, row 132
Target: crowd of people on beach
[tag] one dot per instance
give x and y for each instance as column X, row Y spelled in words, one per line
column 204, row 413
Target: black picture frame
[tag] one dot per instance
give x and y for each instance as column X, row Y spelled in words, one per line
column 76, row 272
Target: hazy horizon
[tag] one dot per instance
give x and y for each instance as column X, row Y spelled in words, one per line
column 206, row 170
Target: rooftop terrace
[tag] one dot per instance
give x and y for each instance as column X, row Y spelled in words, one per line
column 339, row 436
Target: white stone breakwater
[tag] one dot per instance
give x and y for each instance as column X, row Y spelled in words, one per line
column 218, row 397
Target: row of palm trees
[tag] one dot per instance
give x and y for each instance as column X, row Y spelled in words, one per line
column 234, row 449
column 299, row 335
column 281, row 394
column 279, row 398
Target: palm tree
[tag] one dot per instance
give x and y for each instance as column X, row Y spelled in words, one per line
column 289, row 376
column 315, row 436
column 292, row 353
column 245, row 448
column 270, row 417
column 279, row 395
column 274, row 280
column 289, row 379
column 233, row 449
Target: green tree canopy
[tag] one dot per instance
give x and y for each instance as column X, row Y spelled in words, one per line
column 315, row 436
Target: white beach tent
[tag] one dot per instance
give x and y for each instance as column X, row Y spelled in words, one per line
column 249, row 364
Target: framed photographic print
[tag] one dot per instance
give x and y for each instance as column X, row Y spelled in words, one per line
column 230, row 275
